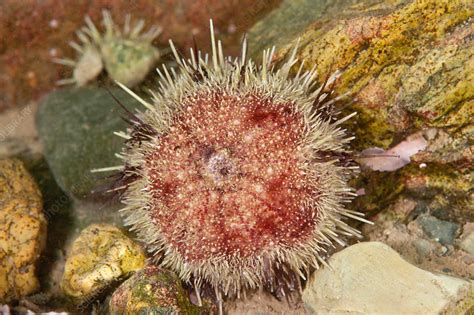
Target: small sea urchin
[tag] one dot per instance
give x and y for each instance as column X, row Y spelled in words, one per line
column 128, row 55
column 235, row 176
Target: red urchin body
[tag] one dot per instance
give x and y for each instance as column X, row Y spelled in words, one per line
column 226, row 179
column 236, row 176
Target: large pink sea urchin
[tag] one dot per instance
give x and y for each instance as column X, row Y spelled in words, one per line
column 235, row 176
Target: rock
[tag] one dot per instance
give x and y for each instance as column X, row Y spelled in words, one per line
column 22, row 231
column 371, row 278
column 423, row 247
column 100, row 255
column 379, row 50
column 76, row 128
column 262, row 302
column 466, row 241
column 395, row 228
column 155, row 291
column 284, row 24
column 441, row 231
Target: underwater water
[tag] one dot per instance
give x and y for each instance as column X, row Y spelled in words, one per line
column 236, row 157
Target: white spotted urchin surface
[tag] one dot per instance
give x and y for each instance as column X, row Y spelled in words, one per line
column 235, row 176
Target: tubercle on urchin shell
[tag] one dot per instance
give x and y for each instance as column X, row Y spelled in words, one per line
column 324, row 141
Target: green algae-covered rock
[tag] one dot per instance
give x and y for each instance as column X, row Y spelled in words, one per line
column 398, row 58
column 76, row 128
column 284, row 24
column 154, row 291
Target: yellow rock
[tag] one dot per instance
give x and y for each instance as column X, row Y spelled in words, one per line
column 101, row 254
column 22, row 231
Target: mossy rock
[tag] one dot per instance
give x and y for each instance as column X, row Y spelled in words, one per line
column 156, row 291
column 76, row 128
column 406, row 62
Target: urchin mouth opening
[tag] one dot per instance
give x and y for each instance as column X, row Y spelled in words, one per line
column 218, row 166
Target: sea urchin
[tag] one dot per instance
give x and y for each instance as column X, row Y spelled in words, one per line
column 235, row 176
column 128, row 55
